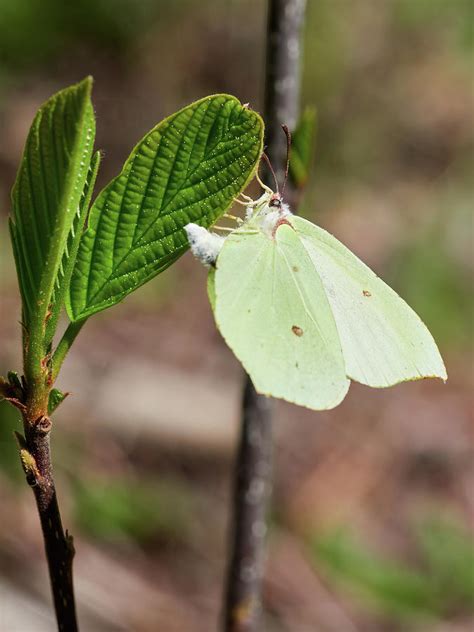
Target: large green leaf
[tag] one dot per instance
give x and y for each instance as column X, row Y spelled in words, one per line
column 186, row 169
column 46, row 199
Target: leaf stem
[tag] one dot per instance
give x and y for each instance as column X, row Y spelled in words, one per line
column 65, row 344
column 253, row 468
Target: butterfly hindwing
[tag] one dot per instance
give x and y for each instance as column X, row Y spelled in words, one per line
column 383, row 340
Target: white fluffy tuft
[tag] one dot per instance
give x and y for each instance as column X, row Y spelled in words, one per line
column 268, row 222
column 249, row 211
column 205, row 246
column 271, row 217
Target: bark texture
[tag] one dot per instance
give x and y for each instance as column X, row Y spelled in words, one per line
column 35, row 454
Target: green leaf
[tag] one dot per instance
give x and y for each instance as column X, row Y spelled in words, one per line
column 14, row 380
column 186, row 169
column 56, row 397
column 45, row 201
column 302, row 147
column 72, row 246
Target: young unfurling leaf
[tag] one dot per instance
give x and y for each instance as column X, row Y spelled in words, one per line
column 45, row 204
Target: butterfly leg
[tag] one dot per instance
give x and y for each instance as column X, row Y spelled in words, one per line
column 234, row 218
column 226, row 229
column 252, row 203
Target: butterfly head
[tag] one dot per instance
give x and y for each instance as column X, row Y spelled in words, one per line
column 276, row 201
column 270, row 211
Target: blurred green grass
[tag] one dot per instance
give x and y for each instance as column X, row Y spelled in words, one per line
column 438, row 584
column 124, row 509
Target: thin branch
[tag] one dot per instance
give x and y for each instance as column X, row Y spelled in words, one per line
column 251, row 492
column 35, row 454
column 254, row 463
column 283, row 78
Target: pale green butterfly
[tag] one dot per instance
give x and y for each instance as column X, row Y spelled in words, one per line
column 303, row 314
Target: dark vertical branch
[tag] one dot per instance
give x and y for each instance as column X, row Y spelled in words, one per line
column 254, row 463
column 251, row 492
column 35, row 453
column 282, row 83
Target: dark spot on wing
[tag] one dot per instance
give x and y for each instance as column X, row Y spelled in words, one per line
column 295, row 269
column 297, row 330
column 366, row 293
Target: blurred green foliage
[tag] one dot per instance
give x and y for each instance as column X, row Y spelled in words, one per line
column 366, row 124
column 448, row 552
column 303, row 146
column 124, row 508
column 455, row 17
column 439, row 584
column 9, row 459
column 53, row 26
column 437, row 287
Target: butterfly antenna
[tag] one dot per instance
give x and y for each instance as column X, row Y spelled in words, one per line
column 264, row 187
column 269, row 164
column 288, row 150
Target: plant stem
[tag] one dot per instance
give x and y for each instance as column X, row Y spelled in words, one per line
column 283, row 78
column 35, row 453
column 251, row 492
column 65, row 344
column 254, row 463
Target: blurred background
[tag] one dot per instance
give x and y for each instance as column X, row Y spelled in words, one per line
column 371, row 521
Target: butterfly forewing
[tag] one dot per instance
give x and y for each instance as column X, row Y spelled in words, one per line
column 272, row 310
